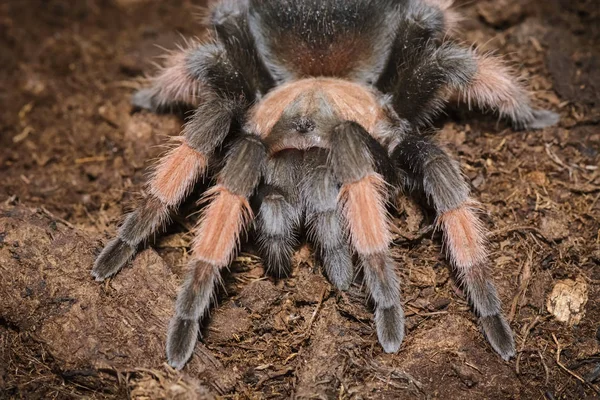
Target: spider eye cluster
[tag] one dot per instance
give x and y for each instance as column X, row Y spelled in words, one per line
column 303, row 124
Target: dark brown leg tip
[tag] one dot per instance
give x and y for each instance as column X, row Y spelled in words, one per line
column 498, row 333
column 181, row 340
column 390, row 328
column 112, row 258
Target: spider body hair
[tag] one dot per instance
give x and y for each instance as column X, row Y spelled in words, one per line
column 320, row 104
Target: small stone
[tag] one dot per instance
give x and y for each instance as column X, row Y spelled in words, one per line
column 538, row 177
column 440, row 303
column 422, row 276
column 131, row 65
column 137, row 129
column 466, row 375
column 553, row 227
column 568, row 299
column 501, row 13
column 109, row 114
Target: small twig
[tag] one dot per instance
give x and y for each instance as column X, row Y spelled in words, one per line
column 62, row 221
column 529, row 329
column 558, row 351
column 249, row 348
column 314, row 314
column 273, row 375
column 591, row 207
column 474, row 367
column 525, row 278
column 427, row 314
column 85, row 160
column 558, row 161
column 545, row 366
column 504, row 231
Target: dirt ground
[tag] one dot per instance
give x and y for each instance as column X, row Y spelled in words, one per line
column 73, row 158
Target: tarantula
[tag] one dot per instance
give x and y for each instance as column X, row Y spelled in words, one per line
column 320, row 105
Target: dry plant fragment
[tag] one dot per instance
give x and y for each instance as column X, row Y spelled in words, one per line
column 568, row 299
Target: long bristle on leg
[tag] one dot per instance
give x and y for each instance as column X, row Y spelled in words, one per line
column 172, row 179
column 464, row 235
column 325, row 224
column 363, row 197
column 216, row 240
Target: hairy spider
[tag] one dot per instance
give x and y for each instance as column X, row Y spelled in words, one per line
column 320, row 105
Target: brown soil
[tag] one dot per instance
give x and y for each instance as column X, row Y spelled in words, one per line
column 73, row 156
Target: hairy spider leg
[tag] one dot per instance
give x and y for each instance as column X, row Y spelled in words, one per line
column 325, row 224
column 177, row 172
column 452, row 17
column 230, row 20
column 363, row 197
column 464, row 234
column 420, row 76
column 174, row 83
column 196, row 71
column 424, row 69
column 173, row 178
column 494, row 86
column 216, row 240
column 279, row 212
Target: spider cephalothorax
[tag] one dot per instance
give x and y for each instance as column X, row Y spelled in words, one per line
column 319, row 104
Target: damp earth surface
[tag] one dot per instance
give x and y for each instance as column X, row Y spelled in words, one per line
column 74, row 157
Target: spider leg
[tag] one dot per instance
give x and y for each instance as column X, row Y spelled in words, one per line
column 464, row 234
column 422, row 77
column 324, row 221
column 494, row 86
column 216, row 240
column 451, row 17
column 173, row 178
column 420, row 27
column 174, row 83
column 230, row 19
column 206, row 68
column 363, row 202
column 279, row 212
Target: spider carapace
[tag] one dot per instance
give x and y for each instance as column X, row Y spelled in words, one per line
column 320, row 105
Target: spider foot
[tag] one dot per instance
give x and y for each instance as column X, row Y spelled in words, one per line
column 145, row 99
column 181, row 340
column 541, row 119
column 279, row 270
column 112, row 258
column 499, row 334
column 338, row 265
column 390, row 327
